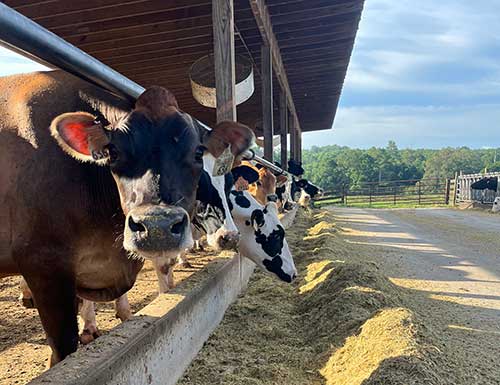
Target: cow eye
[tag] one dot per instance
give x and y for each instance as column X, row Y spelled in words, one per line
column 113, row 154
column 198, row 155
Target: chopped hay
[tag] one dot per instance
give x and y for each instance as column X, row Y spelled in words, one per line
column 341, row 322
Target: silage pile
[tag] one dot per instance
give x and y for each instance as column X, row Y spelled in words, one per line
column 342, row 322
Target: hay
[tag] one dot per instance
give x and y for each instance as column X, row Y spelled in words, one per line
column 342, row 322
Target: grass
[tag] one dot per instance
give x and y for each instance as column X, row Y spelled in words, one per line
column 406, row 201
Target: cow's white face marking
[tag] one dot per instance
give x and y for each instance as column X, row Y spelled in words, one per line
column 262, row 235
column 304, row 199
column 496, row 205
column 228, row 228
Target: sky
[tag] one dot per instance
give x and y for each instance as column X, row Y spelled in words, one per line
column 424, row 73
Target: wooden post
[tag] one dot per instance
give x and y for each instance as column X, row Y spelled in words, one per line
column 447, row 192
column 419, row 192
column 299, row 145
column 283, row 130
column 267, row 101
column 225, row 78
column 293, row 139
column 455, row 193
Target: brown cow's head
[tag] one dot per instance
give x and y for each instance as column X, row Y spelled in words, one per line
column 156, row 158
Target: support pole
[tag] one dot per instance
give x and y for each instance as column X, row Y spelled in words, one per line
column 299, row 145
column 283, row 130
column 225, row 78
column 293, row 139
column 267, row 101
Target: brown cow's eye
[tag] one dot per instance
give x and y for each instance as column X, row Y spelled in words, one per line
column 113, row 154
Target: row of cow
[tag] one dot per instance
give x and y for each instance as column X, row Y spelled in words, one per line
column 86, row 196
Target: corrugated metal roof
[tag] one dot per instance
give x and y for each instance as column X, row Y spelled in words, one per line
column 156, row 41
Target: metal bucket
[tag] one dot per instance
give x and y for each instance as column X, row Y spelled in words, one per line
column 202, row 76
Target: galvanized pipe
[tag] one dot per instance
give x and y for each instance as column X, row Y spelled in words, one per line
column 30, row 39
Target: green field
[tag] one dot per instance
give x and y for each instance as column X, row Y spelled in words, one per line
column 405, row 201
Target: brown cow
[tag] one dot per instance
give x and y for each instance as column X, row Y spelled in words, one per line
column 85, row 196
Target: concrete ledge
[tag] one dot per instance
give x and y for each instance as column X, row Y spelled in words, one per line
column 159, row 343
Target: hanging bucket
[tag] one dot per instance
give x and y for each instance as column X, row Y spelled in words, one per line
column 202, row 76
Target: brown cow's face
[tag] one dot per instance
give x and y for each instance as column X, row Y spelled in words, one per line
column 156, row 158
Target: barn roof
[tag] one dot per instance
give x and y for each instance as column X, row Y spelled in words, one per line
column 156, row 41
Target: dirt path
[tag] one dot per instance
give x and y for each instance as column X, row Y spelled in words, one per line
column 451, row 261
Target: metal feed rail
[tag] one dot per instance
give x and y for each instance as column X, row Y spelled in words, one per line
column 30, row 39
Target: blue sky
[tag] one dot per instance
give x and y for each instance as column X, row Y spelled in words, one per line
column 425, row 73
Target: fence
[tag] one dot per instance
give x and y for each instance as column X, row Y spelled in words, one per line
column 465, row 193
column 422, row 192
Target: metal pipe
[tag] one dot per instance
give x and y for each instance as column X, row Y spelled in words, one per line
column 30, row 39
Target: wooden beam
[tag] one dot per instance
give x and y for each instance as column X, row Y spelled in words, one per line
column 225, row 77
column 263, row 20
column 267, row 101
column 299, row 145
column 283, row 130
column 293, row 138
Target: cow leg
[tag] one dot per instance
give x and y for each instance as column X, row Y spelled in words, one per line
column 55, row 296
column 183, row 261
column 122, row 307
column 165, row 273
column 26, row 298
column 90, row 331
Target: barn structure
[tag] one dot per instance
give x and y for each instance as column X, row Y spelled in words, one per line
column 300, row 50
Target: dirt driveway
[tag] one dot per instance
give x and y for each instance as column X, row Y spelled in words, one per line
column 451, row 261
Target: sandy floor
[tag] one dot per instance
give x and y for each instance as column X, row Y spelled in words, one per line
column 23, row 350
column 450, row 260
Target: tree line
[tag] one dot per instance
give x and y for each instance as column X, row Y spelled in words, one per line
column 338, row 167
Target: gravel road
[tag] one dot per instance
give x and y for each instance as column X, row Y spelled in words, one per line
column 450, row 260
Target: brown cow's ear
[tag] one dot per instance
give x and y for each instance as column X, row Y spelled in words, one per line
column 79, row 135
column 281, row 180
column 226, row 133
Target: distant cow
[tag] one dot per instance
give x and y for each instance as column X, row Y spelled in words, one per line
column 71, row 182
column 488, row 183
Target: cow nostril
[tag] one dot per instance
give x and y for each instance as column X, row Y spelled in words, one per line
column 136, row 226
column 178, row 228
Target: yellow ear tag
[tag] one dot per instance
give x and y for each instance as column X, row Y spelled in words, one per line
column 223, row 163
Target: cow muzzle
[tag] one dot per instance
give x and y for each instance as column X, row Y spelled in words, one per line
column 154, row 230
column 224, row 240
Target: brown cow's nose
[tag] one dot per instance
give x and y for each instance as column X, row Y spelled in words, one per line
column 157, row 229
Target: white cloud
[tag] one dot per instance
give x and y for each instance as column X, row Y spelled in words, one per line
column 412, row 126
column 399, row 40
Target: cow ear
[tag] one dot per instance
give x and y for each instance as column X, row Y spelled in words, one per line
column 228, row 133
column 281, row 180
column 246, row 172
column 81, row 136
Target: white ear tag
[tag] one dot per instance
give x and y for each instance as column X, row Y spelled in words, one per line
column 223, row 163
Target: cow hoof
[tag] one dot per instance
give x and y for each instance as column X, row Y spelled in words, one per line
column 28, row 303
column 124, row 316
column 88, row 336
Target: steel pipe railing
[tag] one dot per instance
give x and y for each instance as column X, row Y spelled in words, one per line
column 30, row 39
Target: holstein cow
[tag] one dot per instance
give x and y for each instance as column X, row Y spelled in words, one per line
column 262, row 236
column 61, row 211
